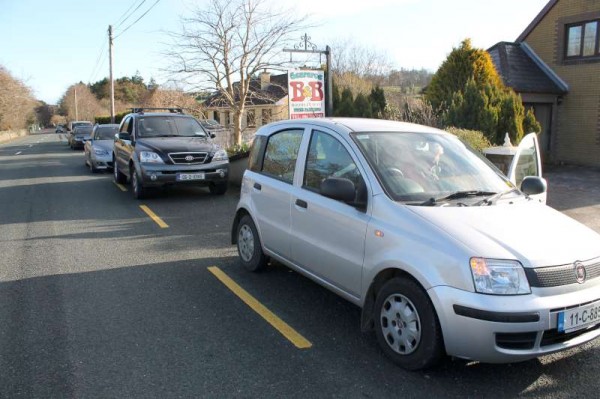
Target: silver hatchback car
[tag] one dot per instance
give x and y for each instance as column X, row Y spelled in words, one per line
column 444, row 254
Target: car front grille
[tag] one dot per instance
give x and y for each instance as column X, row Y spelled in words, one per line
column 188, row 158
column 517, row 341
column 555, row 276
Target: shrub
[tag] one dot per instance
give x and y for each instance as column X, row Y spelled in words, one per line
column 102, row 120
column 474, row 138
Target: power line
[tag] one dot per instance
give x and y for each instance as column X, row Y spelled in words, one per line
column 131, row 13
column 97, row 67
column 120, row 20
column 142, row 16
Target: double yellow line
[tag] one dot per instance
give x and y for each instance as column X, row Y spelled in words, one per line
column 288, row 332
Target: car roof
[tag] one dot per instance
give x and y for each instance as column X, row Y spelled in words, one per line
column 352, row 125
column 108, row 125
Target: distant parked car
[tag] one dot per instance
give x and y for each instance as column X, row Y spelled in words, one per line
column 73, row 124
column 79, row 135
column 98, row 149
column 60, row 129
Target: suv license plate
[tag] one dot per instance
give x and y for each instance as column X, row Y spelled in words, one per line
column 579, row 318
column 190, row 176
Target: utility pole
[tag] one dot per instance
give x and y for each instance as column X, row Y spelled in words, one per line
column 76, row 114
column 112, row 82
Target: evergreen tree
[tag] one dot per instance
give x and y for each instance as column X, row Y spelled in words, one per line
column 378, row 102
column 362, row 107
column 346, row 106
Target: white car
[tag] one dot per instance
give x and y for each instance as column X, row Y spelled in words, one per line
column 443, row 253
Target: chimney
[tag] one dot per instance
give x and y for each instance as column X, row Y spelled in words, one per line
column 265, row 80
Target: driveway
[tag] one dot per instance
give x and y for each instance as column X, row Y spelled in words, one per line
column 576, row 192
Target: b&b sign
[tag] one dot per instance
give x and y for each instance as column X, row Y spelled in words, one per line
column 306, row 96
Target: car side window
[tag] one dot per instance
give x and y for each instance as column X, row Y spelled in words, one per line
column 125, row 126
column 281, row 154
column 327, row 157
column 258, row 148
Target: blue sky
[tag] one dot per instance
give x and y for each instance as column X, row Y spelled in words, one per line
column 53, row 44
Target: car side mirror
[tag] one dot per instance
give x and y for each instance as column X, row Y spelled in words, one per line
column 212, row 135
column 532, row 185
column 339, row 189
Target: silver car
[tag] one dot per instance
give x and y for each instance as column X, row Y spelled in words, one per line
column 98, row 149
column 444, row 254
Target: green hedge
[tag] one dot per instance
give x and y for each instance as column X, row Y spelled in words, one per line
column 106, row 119
column 474, row 138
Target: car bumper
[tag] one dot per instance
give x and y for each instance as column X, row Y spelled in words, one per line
column 161, row 175
column 101, row 161
column 504, row 329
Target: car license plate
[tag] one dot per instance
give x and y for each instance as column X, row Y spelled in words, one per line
column 578, row 318
column 190, row 176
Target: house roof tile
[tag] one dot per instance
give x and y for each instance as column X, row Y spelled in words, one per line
column 521, row 72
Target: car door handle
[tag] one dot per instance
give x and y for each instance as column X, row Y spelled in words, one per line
column 257, row 186
column 301, row 203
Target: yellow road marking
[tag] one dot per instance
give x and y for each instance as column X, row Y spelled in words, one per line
column 154, row 216
column 121, row 187
column 292, row 335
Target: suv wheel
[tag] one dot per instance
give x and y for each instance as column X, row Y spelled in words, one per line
column 139, row 192
column 218, row 189
column 248, row 245
column 407, row 326
column 119, row 177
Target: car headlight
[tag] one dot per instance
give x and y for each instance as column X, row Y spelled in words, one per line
column 499, row 277
column 100, row 151
column 150, row 157
column 220, row 155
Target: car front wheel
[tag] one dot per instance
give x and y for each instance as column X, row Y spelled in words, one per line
column 249, row 247
column 407, row 326
column 119, row 177
column 139, row 192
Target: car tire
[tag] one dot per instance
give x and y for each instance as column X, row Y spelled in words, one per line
column 118, row 176
column 218, row 189
column 139, row 192
column 249, row 248
column 406, row 325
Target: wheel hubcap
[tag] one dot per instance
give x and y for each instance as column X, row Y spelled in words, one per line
column 246, row 243
column 400, row 324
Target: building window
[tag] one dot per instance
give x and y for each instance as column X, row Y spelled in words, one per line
column 251, row 118
column 583, row 40
column 267, row 116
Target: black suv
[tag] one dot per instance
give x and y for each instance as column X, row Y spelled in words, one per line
column 156, row 149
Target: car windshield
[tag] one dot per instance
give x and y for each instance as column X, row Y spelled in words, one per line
column 169, row 126
column 106, row 132
column 83, row 129
column 425, row 166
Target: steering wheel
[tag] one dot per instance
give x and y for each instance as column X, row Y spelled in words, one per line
column 394, row 172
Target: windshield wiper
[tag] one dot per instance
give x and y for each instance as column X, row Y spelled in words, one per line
column 491, row 200
column 456, row 195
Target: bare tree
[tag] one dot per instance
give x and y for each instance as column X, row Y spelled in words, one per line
column 17, row 104
column 362, row 61
column 226, row 44
column 78, row 103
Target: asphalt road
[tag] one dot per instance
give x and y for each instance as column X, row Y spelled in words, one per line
column 97, row 300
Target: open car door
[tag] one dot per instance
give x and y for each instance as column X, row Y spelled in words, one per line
column 527, row 162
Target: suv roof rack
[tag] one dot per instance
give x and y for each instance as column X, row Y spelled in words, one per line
column 144, row 109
